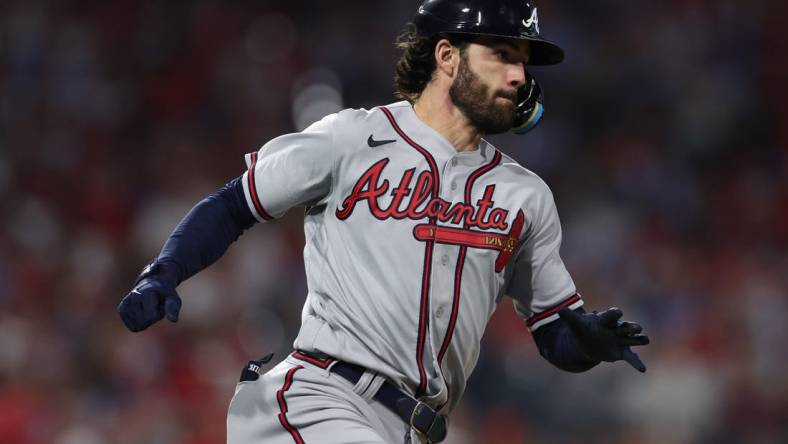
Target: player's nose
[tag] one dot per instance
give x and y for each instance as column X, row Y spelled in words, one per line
column 516, row 75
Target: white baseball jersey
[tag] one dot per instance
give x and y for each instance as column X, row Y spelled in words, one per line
column 410, row 245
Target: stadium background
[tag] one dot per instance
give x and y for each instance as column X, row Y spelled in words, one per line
column 664, row 141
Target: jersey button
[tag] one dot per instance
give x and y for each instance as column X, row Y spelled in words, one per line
column 445, row 260
column 439, row 312
column 454, row 185
column 454, row 162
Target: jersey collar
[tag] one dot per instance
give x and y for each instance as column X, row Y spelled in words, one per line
column 434, row 141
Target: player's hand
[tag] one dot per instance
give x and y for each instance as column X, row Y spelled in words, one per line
column 604, row 337
column 152, row 298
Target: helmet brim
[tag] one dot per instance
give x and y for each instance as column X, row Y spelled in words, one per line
column 542, row 52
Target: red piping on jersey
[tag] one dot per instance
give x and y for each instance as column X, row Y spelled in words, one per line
column 419, row 148
column 423, row 318
column 253, row 190
column 427, row 271
column 478, row 173
column 547, row 313
column 322, row 363
column 455, row 306
column 280, row 396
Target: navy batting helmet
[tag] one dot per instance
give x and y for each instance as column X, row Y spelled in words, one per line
column 515, row 19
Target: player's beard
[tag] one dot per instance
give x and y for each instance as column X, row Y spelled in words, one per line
column 472, row 96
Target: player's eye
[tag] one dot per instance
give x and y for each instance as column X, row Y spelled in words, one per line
column 509, row 56
column 501, row 55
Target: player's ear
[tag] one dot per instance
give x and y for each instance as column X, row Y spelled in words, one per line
column 447, row 57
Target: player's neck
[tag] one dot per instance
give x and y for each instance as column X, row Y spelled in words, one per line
column 439, row 113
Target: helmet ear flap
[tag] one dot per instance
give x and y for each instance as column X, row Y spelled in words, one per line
column 530, row 106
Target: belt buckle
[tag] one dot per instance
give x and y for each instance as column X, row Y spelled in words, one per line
column 428, row 422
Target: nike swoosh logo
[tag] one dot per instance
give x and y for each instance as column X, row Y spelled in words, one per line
column 374, row 143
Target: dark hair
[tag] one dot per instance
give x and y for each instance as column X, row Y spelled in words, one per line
column 416, row 66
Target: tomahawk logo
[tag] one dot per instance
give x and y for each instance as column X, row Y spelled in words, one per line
column 533, row 20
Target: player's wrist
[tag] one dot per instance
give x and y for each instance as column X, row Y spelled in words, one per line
column 165, row 272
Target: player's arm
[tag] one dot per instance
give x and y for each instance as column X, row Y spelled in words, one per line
column 291, row 170
column 558, row 345
column 578, row 341
column 545, row 295
column 199, row 240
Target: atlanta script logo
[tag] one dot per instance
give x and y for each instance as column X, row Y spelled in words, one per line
column 415, row 201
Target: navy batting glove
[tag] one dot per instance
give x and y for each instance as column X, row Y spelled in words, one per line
column 152, row 298
column 604, row 337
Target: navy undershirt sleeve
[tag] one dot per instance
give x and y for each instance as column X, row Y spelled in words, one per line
column 205, row 233
column 557, row 344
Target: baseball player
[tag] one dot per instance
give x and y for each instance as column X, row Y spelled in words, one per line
column 416, row 229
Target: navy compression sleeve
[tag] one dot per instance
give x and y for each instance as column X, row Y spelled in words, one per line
column 205, row 233
column 557, row 344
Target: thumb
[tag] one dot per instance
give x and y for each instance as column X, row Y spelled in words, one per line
column 573, row 319
column 634, row 360
column 172, row 306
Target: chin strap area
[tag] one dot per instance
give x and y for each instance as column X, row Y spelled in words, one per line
column 529, row 108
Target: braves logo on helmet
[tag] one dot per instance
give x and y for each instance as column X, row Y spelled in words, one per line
column 533, row 20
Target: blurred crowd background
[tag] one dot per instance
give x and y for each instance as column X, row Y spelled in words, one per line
column 664, row 142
